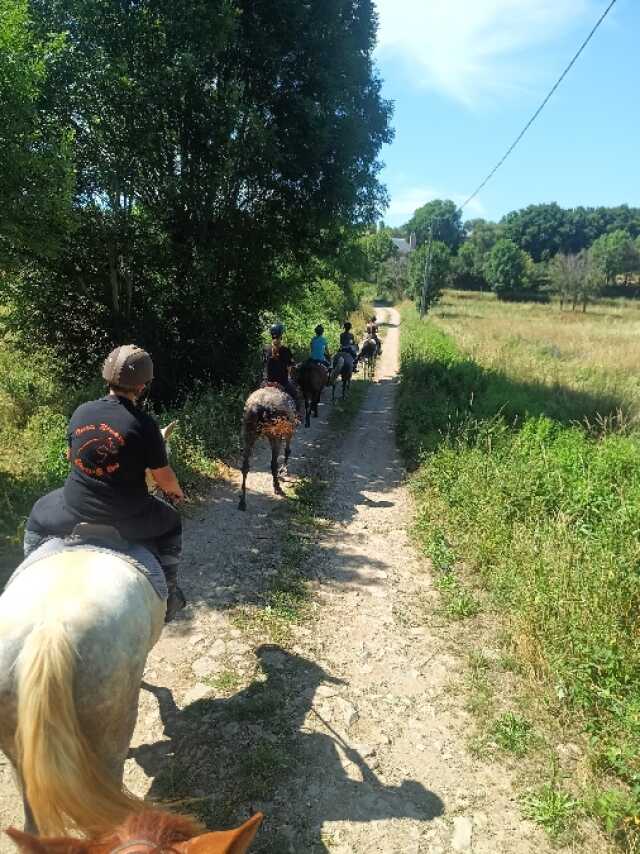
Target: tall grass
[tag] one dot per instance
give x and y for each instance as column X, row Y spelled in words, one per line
column 545, row 509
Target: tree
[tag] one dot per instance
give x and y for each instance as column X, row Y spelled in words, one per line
column 471, row 258
column 36, row 178
column 440, row 218
column 573, row 279
column 540, row 230
column 378, row 247
column 216, row 144
column 614, row 254
column 507, row 268
column 429, row 270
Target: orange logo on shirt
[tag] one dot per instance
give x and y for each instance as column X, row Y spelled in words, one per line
column 98, row 456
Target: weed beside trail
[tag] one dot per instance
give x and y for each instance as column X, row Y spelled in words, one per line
column 545, row 515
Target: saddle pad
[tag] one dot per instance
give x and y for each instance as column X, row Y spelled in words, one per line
column 135, row 555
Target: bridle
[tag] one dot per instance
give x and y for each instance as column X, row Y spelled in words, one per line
column 147, row 843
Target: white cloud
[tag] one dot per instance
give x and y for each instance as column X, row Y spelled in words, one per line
column 405, row 201
column 473, row 49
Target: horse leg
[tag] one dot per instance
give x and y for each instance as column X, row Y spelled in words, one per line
column 287, row 454
column 276, row 444
column 249, row 441
column 307, row 412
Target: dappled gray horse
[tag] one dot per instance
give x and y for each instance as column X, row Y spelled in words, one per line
column 345, row 367
column 268, row 412
column 75, row 631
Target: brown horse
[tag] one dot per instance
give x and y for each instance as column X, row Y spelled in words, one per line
column 268, row 412
column 368, row 355
column 147, row 832
column 312, row 377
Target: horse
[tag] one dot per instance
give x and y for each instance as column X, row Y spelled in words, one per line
column 76, row 627
column 312, row 378
column 337, row 365
column 148, row 831
column 346, row 372
column 368, row 355
column 268, row 412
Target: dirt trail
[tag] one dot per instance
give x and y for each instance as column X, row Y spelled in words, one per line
column 350, row 741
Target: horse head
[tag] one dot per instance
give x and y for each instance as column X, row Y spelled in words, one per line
column 150, row 832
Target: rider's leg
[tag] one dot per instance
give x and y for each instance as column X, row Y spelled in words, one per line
column 161, row 524
column 49, row 517
column 293, row 391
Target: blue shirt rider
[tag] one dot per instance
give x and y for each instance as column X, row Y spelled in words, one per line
column 320, row 348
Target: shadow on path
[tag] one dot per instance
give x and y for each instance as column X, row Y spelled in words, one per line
column 268, row 747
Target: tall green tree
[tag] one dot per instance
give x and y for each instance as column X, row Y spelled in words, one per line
column 441, row 219
column 429, row 271
column 36, row 177
column 216, row 144
column 507, row 268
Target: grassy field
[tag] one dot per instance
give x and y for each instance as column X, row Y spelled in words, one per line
column 522, row 425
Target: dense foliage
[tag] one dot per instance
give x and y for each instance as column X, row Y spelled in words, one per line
column 218, row 148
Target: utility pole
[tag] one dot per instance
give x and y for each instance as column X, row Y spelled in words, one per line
column 426, row 276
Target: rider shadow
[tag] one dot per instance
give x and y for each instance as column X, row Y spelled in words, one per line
column 267, row 747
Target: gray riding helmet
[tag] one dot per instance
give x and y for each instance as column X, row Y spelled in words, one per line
column 128, row 367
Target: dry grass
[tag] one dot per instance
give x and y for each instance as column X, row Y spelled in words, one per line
column 594, row 352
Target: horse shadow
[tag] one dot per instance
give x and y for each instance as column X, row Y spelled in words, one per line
column 269, row 747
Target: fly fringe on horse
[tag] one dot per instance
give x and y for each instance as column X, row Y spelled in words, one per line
column 62, row 777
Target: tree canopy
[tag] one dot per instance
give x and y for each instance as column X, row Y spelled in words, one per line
column 506, row 268
column 217, row 147
column 443, row 218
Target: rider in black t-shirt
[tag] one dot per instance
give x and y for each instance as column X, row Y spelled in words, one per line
column 348, row 344
column 278, row 361
column 111, row 444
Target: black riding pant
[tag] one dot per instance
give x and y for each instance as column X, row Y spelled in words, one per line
column 155, row 524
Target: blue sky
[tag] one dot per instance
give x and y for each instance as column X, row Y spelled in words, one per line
column 465, row 76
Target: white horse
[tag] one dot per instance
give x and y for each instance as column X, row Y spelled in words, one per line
column 75, row 631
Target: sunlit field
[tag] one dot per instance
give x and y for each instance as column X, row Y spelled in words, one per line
column 597, row 352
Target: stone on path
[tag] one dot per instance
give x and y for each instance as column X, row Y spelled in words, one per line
column 462, row 832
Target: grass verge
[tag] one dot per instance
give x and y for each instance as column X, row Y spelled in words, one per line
column 544, row 516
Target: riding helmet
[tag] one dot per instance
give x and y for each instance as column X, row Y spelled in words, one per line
column 277, row 330
column 347, row 326
column 319, row 330
column 128, row 367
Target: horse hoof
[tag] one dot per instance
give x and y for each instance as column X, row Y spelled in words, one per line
column 242, row 505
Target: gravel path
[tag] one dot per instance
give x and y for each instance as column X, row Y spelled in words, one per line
column 351, row 739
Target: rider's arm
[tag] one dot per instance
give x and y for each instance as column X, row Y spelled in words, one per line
column 166, row 479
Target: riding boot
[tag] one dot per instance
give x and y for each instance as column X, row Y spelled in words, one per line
column 176, row 600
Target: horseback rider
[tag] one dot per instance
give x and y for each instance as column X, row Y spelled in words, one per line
column 278, row 361
column 320, row 348
column 348, row 344
column 111, row 444
column 372, row 332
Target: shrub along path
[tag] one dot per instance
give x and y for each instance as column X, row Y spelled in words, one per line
column 305, row 680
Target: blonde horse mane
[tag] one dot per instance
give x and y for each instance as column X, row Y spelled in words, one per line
column 63, row 779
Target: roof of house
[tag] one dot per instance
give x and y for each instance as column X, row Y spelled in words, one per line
column 402, row 245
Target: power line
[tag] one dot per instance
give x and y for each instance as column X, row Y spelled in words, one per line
column 542, row 105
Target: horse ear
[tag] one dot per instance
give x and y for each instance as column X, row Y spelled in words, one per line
column 33, row 845
column 223, row 842
column 168, row 430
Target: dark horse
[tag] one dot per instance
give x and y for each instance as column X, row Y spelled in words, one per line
column 271, row 413
column 312, row 378
column 368, row 356
column 342, row 367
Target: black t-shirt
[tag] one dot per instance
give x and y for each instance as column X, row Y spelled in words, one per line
column 111, row 444
column 277, row 365
column 347, row 339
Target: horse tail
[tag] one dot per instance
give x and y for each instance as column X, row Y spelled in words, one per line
column 64, row 782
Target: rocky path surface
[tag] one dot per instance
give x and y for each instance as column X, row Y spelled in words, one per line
column 349, row 737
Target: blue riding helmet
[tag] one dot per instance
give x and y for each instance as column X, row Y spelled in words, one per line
column 277, row 330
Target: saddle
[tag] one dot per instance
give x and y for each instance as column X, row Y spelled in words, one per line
column 104, row 535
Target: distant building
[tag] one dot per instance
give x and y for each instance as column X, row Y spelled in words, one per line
column 405, row 247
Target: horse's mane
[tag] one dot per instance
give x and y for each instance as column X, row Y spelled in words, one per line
column 162, row 828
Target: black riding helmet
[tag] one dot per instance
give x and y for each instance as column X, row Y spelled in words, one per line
column 277, row 330
column 319, row 330
column 347, row 326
